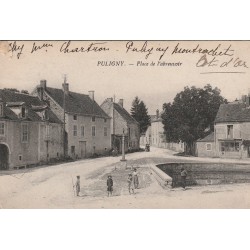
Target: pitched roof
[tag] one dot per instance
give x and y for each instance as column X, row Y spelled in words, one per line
column 208, row 138
column 76, row 103
column 233, row 112
column 14, row 99
column 124, row 113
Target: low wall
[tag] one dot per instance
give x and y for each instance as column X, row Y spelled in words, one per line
column 207, row 173
column 163, row 179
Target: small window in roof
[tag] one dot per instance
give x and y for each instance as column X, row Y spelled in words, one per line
column 74, row 117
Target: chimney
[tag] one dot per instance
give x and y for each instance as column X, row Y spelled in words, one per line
column 65, row 87
column 92, row 95
column 157, row 113
column 247, row 101
column 121, row 102
column 244, row 98
column 110, row 99
column 43, row 84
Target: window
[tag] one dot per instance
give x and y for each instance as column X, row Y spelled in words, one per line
column 93, row 118
column 72, row 150
column 74, row 117
column 75, row 130
column 105, row 120
column 105, row 131
column 232, row 146
column 208, row 146
column 1, row 110
column 20, row 157
column 2, row 132
column 47, row 131
column 82, row 131
column 230, row 131
column 24, row 132
column 93, row 131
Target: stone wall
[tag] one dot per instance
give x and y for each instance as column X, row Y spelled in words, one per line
column 207, row 173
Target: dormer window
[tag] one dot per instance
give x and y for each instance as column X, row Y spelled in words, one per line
column 93, row 118
column 45, row 115
column 23, row 112
column 74, row 117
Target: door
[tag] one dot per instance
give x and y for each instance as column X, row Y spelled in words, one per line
column 82, row 147
column 4, row 157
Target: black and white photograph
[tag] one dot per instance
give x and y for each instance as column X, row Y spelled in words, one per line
column 127, row 124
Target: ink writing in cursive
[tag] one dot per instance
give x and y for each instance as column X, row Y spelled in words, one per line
column 234, row 62
column 218, row 51
column 145, row 49
column 95, row 47
column 36, row 47
column 14, row 47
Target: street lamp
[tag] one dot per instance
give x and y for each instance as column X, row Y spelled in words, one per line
column 123, row 146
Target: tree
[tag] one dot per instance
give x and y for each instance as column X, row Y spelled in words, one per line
column 191, row 115
column 25, row 91
column 12, row 90
column 140, row 113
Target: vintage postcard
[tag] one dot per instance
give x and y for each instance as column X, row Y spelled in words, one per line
column 124, row 124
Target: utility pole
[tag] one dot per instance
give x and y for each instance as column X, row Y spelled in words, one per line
column 123, row 146
column 64, row 107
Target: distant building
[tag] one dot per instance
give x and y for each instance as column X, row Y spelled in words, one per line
column 146, row 138
column 30, row 133
column 121, row 121
column 232, row 129
column 206, row 147
column 158, row 137
column 87, row 126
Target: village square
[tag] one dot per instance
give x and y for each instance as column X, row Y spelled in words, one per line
column 61, row 149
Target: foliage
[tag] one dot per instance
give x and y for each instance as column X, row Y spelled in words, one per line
column 191, row 115
column 140, row 113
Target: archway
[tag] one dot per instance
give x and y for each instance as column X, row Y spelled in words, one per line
column 4, row 156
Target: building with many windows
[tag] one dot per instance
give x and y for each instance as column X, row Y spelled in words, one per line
column 232, row 129
column 122, row 122
column 87, row 126
column 30, row 133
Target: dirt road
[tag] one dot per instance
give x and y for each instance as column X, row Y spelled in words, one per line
column 51, row 187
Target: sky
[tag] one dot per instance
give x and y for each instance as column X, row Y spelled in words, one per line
column 141, row 67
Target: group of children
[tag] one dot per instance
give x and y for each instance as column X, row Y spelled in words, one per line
column 133, row 183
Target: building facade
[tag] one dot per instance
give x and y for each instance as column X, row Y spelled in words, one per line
column 206, row 147
column 30, row 133
column 232, row 130
column 158, row 138
column 122, row 122
column 87, row 126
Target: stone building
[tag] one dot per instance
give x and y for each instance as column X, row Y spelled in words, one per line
column 205, row 147
column 121, row 121
column 30, row 133
column 158, row 138
column 232, row 130
column 87, row 126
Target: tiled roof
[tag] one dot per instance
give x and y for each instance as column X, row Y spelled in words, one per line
column 76, row 103
column 124, row 113
column 233, row 113
column 208, row 138
column 17, row 99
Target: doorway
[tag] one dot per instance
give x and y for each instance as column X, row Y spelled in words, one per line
column 4, row 157
column 82, row 147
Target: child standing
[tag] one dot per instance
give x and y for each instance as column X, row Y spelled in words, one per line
column 77, row 185
column 130, row 184
column 110, row 185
